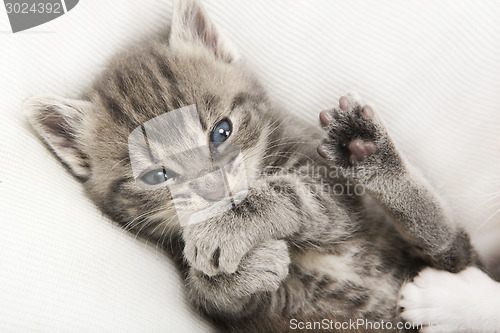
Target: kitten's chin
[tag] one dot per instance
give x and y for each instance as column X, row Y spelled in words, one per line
column 213, row 210
column 161, row 224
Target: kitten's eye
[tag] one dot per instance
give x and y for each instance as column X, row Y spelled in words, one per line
column 221, row 132
column 157, row 176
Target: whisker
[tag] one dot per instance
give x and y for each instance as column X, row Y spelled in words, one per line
column 281, row 144
column 129, row 224
column 148, row 221
column 276, row 127
column 489, row 218
column 106, row 178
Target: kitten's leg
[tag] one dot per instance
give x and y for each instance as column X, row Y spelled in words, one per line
column 238, row 259
column 465, row 302
column 359, row 145
column 277, row 207
column 232, row 295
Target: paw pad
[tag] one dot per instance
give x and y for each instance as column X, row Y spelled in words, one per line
column 360, row 150
column 352, row 128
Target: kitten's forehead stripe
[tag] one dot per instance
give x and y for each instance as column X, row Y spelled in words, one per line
column 122, row 85
column 165, row 71
column 211, row 101
column 241, row 99
column 245, row 120
column 164, row 68
column 112, row 103
column 134, row 94
column 156, row 86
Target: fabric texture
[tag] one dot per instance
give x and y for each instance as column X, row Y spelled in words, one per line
column 431, row 69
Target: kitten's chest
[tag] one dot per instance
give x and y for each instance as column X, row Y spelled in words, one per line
column 354, row 265
column 343, row 283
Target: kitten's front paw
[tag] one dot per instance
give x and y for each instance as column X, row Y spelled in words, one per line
column 354, row 135
column 447, row 302
column 268, row 263
column 213, row 250
column 263, row 269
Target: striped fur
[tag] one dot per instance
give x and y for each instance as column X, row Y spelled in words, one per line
column 294, row 248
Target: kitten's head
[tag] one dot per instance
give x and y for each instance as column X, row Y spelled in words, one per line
column 131, row 147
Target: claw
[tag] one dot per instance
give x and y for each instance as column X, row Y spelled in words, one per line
column 325, row 118
column 344, row 103
column 321, row 151
column 368, row 112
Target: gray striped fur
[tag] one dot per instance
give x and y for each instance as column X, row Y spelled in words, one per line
column 291, row 249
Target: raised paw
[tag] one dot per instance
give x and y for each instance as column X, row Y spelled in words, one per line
column 213, row 247
column 353, row 133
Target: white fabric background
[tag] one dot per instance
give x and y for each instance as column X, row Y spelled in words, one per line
column 432, row 69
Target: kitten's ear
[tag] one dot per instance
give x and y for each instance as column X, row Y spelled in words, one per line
column 191, row 24
column 58, row 121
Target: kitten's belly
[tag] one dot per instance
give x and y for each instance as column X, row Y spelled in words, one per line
column 341, row 284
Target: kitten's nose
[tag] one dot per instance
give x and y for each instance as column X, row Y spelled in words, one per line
column 214, row 193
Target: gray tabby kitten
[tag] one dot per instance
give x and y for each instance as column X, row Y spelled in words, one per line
column 294, row 247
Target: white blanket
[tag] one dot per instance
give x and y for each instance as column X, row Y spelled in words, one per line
column 431, row 69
